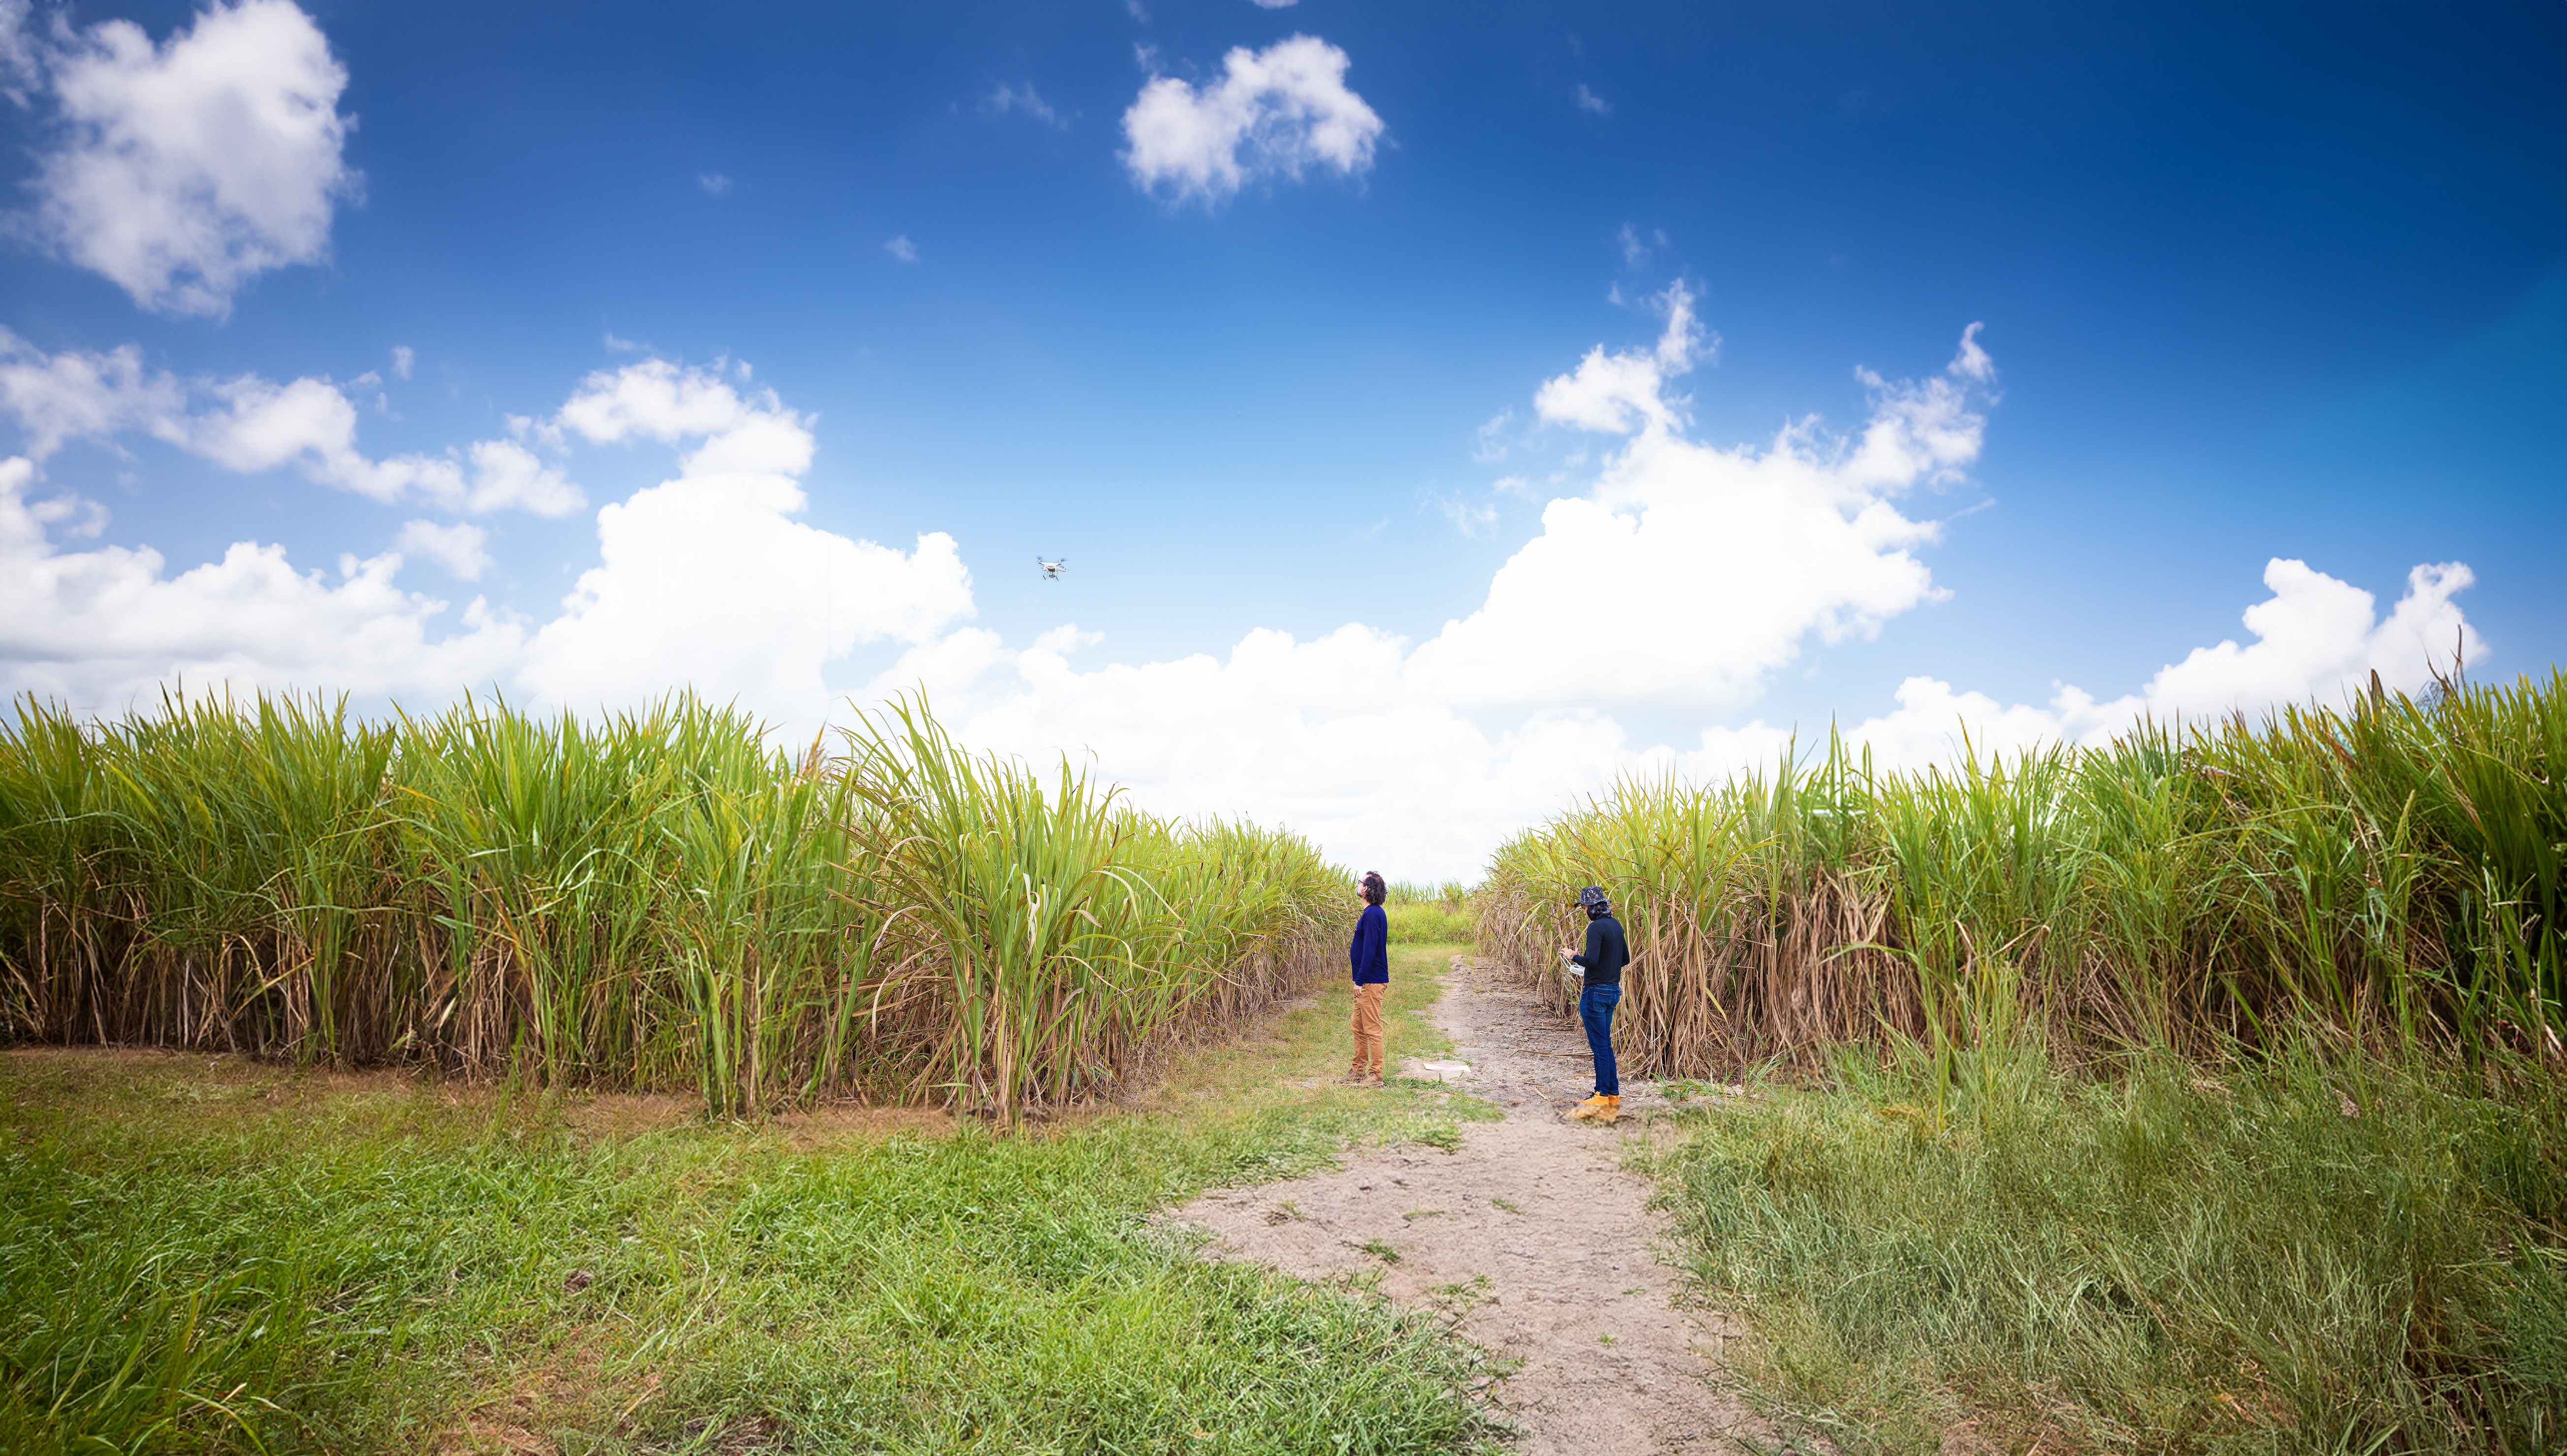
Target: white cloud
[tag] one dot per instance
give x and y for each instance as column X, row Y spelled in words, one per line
column 22, row 63
column 1317, row 736
column 250, row 424
column 1588, row 101
column 714, row 183
column 1278, row 111
column 1691, row 573
column 508, row 477
column 1004, row 97
column 461, row 548
column 1612, row 393
column 64, row 396
column 185, row 169
column 705, row 579
column 902, row 248
column 102, row 628
column 402, row 358
column 2318, row 639
column 1275, row 4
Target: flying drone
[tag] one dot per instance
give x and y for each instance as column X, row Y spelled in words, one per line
column 1051, row 570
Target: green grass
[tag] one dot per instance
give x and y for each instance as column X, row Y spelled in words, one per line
column 212, row 1253
column 1430, row 923
column 2283, row 1258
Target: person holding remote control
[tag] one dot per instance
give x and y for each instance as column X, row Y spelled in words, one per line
column 1602, row 960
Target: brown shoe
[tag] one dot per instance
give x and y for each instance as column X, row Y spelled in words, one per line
column 1611, row 1111
column 1591, row 1107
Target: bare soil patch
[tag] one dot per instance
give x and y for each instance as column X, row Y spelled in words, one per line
column 1532, row 1239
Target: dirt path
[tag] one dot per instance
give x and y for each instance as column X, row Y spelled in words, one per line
column 1530, row 1234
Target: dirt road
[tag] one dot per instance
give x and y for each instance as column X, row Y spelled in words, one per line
column 1530, row 1234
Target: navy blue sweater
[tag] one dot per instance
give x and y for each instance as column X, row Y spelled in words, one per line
column 1607, row 951
column 1369, row 952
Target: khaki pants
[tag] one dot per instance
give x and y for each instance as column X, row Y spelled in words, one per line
column 1367, row 1028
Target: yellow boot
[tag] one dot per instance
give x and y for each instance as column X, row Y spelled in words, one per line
column 1591, row 1107
column 1611, row 1111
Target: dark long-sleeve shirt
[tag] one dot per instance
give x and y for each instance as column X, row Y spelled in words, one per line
column 1369, row 952
column 1607, row 951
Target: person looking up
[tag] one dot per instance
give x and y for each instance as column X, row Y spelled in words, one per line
column 1369, row 955
column 1606, row 955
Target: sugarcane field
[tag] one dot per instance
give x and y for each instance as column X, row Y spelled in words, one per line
column 1182, row 727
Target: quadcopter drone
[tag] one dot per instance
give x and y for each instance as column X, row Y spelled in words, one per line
column 1051, row 570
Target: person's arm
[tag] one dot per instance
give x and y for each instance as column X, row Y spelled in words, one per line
column 1594, row 956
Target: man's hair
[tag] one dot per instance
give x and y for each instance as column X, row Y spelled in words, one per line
column 1374, row 889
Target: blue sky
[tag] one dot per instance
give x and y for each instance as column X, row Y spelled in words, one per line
column 2253, row 287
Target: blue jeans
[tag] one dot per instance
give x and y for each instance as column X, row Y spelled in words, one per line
column 1596, row 1007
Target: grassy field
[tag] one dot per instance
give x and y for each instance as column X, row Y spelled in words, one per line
column 2285, row 1256
column 209, row 1253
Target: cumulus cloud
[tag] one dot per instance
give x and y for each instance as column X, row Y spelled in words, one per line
column 1588, row 101
column 902, row 248
column 707, row 579
column 714, row 183
column 704, row 580
column 1319, row 735
column 1612, row 393
column 2317, row 640
column 402, row 358
column 59, row 398
column 250, row 424
column 1689, row 573
column 103, row 629
column 460, row 547
column 1281, row 110
column 182, row 171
